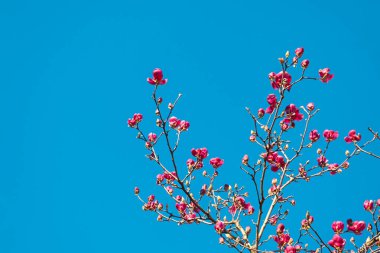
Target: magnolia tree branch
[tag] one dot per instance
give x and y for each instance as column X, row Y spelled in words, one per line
column 283, row 161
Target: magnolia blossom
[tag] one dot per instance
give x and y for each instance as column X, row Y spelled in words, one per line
column 322, row 161
column 272, row 101
column 333, row 168
column 200, row 153
column 281, row 79
column 325, row 75
column 239, row 203
column 216, row 162
column 174, row 122
column 356, row 227
column 330, row 135
column 219, row 227
column 352, row 137
column 181, row 207
column 305, row 63
column 183, row 125
column 368, row 205
column 314, row 136
column 299, row 52
column 152, row 137
column 337, row 242
column 158, row 78
column 281, row 239
column 292, row 114
column 260, row 112
column 290, row 249
column 137, row 118
column 337, row 227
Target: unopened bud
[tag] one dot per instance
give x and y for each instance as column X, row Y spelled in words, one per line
column 159, row 100
column 204, row 173
column 159, row 217
column 247, row 230
column 293, row 202
column 319, row 151
column 170, row 106
column 347, row 153
column 287, row 54
column 137, row 190
column 221, row 240
column 158, row 123
column 274, row 181
column 281, row 60
column 157, row 112
column 159, row 206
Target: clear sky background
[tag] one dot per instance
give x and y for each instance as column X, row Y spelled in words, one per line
column 72, row 72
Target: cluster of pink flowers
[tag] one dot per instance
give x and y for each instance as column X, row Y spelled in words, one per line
column 152, row 204
column 158, row 78
column 305, row 223
column 281, row 238
column 137, row 118
column 200, row 154
column 240, row 204
column 169, row 177
column 352, row 137
column 180, row 125
column 333, row 168
column 276, row 160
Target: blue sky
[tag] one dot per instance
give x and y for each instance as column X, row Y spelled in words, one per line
column 72, row 72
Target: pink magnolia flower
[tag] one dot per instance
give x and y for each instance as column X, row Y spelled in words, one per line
column 356, row 227
column 158, row 78
column 200, row 153
column 337, row 227
column 299, row 52
column 183, row 125
column 290, row 249
column 352, row 137
column 137, row 118
column 152, row 137
column 273, row 219
column 272, row 76
column 337, row 242
column 378, row 202
column 216, row 162
column 190, row 218
column 261, row 113
column 292, row 114
column 174, row 122
column 368, row 205
column 245, row 159
column 333, row 168
column 322, row 161
column 282, row 79
column 305, row 224
column 219, row 227
column 190, row 163
column 305, row 63
column 181, row 207
column 272, row 99
column 170, row 176
column 330, row 135
column 250, row 209
column 280, row 228
column 159, row 178
column 281, row 239
column 325, row 75
column 314, row 136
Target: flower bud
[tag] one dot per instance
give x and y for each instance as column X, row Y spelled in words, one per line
column 221, row 240
column 310, row 106
column 159, row 217
column 319, row 151
column 281, row 60
column 159, row 100
column 305, row 63
column 137, row 190
column 347, row 153
column 261, row 113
